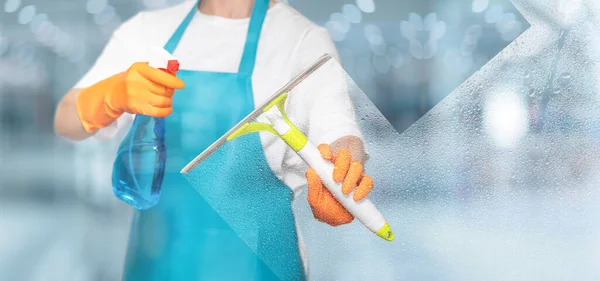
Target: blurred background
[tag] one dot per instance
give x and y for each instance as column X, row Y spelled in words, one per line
column 60, row 221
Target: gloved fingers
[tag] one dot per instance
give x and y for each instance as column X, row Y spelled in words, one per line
column 315, row 188
column 155, row 112
column 158, row 76
column 323, row 204
column 341, row 165
column 169, row 93
column 352, row 177
column 365, row 186
column 330, row 211
column 160, row 101
column 157, row 89
column 326, row 151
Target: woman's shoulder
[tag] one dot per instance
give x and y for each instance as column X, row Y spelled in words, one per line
column 285, row 16
column 284, row 19
column 292, row 41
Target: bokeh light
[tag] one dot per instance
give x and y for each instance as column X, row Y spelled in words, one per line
column 506, row 22
column 375, row 39
column 335, row 30
column 407, row 30
column 47, row 33
column 367, row 6
column 416, row 20
column 394, row 57
column 416, row 24
column 63, row 44
column 429, row 21
column 352, row 13
column 26, row 14
column 11, row 6
column 37, row 21
column 400, row 60
column 379, row 48
column 479, row 6
column 340, row 22
column 373, row 33
column 105, row 16
column 473, row 33
column 437, row 31
column 95, row 6
column 493, row 14
column 506, row 119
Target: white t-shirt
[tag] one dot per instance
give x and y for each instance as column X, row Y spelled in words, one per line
column 288, row 44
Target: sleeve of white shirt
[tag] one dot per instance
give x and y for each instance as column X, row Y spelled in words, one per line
column 321, row 104
column 117, row 56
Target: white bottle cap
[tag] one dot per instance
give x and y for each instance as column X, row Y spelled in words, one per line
column 158, row 57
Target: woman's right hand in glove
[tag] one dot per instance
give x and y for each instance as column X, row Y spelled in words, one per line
column 141, row 89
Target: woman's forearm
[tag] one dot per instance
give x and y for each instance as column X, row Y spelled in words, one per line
column 66, row 119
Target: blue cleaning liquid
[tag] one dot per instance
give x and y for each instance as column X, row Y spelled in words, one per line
column 139, row 167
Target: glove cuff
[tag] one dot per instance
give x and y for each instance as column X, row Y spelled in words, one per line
column 93, row 109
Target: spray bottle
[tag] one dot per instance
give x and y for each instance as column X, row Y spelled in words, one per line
column 139, row 167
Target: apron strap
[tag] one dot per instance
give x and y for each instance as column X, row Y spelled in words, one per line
column 176, row 37
column 256, row 20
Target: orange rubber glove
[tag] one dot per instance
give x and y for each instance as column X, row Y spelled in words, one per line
column 141, row 89
column 324, row 206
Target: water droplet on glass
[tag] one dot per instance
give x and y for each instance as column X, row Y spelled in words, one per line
column 528, row 79
column 556, row 91
column 564, row 79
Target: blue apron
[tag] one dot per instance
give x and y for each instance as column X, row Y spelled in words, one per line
column 183, row 237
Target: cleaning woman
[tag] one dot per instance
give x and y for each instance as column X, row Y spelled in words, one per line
column 233, row 55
